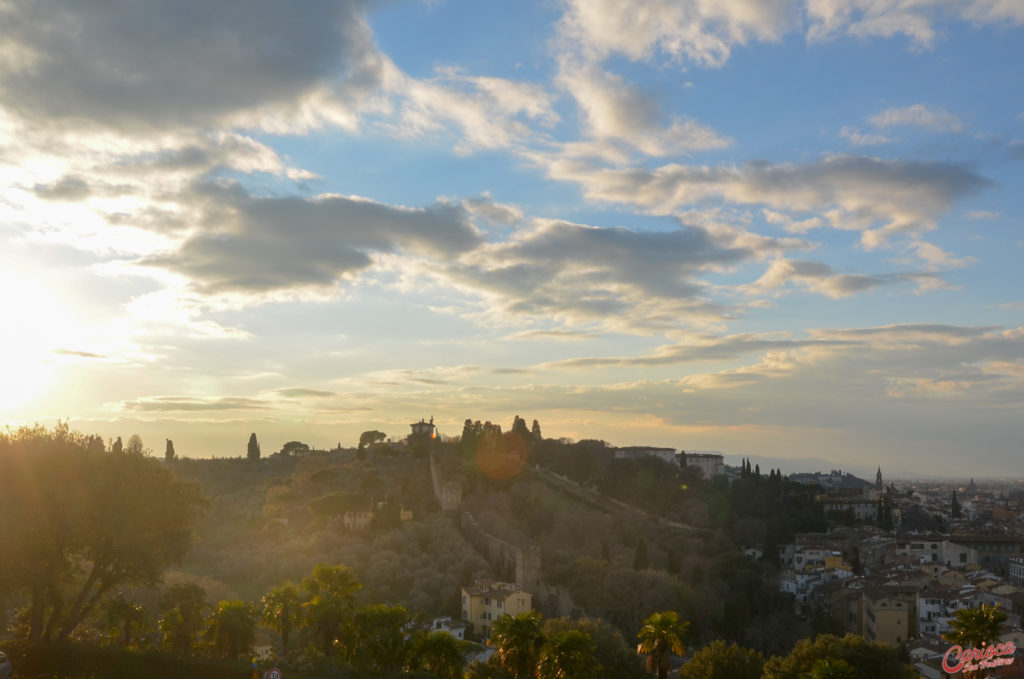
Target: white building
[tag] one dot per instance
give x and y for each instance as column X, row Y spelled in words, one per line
column 709, row 464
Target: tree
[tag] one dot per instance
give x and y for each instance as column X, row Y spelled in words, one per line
column 660, row 637
column 368, row 438
column 868, row 660
column 606, row 552
column 79, row 522
column 117, row 447
column 437, row 652
column 233, row 628
column 720, row 661
column 332, row 597
column 517, row 641
column 572, row 655
column 293, row 447
column 125, row 619
column 535, row 430
column 282, row 610
column 134, row 446
column 376, row 643
column 169, row 453
column 954, row 506
column 183, row 606
column 640, row 556
column 253, row 449
column 974, row 627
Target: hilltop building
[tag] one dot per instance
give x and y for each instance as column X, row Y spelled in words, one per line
column 709, row 464
column 637, row 452
column 424, row 429
column 487, row 600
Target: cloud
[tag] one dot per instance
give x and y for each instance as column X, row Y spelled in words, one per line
column 78, row 353
column 875, row 196
column 262, row 244
column 496, row 213
column 705, row 33
column 816, row 277
column 143, row 65
column 615, row 111
column 68, row 188
column 300, row 392
column 982, row 214
column 185, row 403
column 489, row 112
column 702, row 32
column 858, row 138
column 918, row 115
column 617, row 275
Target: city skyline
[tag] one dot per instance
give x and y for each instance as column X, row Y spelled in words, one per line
column 787, row 229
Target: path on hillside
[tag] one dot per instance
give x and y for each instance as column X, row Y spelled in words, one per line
column 599, row 500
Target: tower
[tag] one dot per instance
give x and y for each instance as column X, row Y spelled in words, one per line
column 878, row 480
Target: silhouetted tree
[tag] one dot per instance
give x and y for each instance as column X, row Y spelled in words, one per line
column 117, row 447
column 169, row 453
column 535, row 430
column 253, row 449
column 134, row 444
column 955, row 509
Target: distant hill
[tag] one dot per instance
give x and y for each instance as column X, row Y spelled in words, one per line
column 817, row 464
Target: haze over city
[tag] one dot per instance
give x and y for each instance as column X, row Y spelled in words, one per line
column 788, row 229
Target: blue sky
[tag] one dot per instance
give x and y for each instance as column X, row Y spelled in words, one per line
column 787, row 228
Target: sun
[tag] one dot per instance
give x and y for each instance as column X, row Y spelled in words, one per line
column 31, row 329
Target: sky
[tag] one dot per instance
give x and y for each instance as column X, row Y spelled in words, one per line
column 784, row 228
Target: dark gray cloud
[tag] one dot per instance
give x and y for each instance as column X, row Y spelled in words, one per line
column 634, row 276
column 145, row 64
column 253, row 244
column 185, row 403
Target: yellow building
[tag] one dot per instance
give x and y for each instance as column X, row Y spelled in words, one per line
column 486, row 601
column 890, row 614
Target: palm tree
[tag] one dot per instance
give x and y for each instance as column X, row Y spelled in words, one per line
column 183, row 605
column 517, row 641
column 332, row 597
column 233, row 628
column 282, row 610
column 438, row 652
column 572, row 655
column 975, row 628
column 660, row 637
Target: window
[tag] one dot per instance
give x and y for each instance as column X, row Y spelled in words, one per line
column 499, row 603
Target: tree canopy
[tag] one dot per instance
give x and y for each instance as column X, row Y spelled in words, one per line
column 80, row 521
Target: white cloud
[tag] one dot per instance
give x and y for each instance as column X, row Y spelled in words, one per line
column 918, row 115
column 859, row 138
column 877, row 197
column 615, row 111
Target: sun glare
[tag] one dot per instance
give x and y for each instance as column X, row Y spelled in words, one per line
column 30, row 331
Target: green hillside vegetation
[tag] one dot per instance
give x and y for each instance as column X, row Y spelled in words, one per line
column 269, row 557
